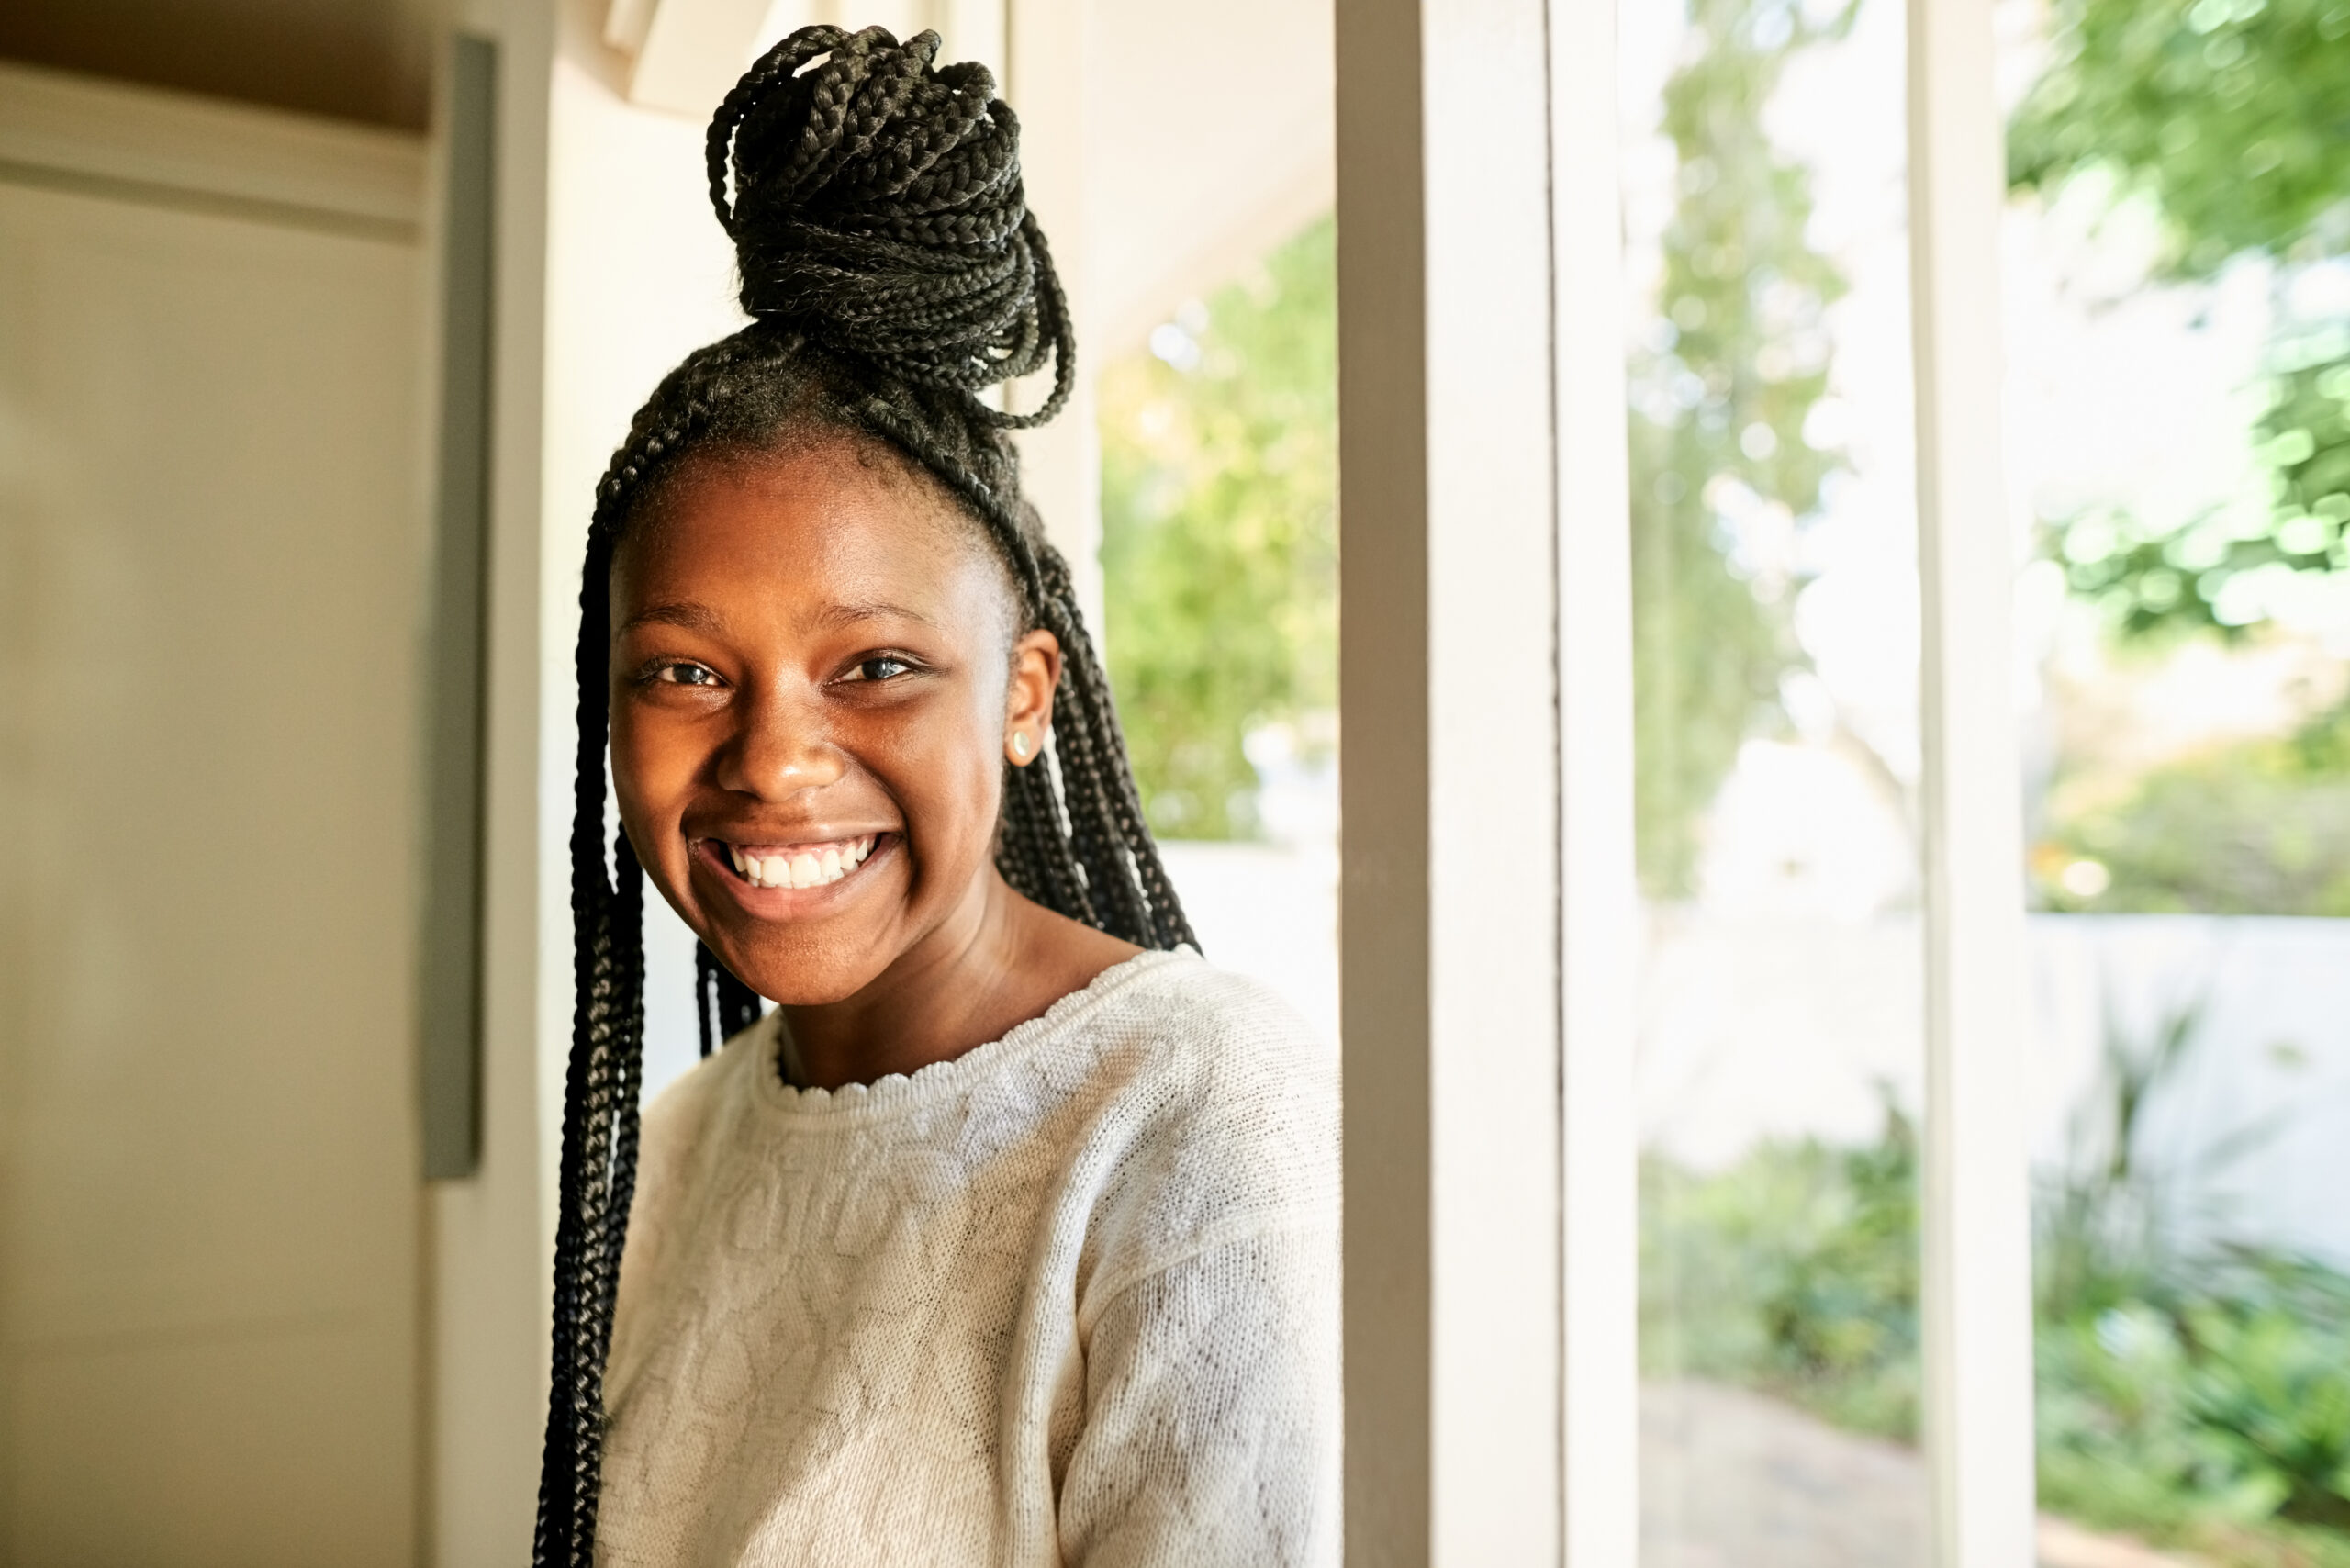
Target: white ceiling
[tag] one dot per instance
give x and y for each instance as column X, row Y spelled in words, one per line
column 1209, row 122
column 1210, row 138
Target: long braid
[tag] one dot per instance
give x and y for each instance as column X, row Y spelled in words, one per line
column 893, row 272
column 598, row 1161
column 723, row 1006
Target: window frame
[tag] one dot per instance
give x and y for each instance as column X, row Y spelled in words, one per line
column 1425, row 120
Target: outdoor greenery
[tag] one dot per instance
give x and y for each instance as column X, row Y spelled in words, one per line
column 1219, row 477
column 1795, row 1273
column 2229, row 117
column 2192, row 1389
column 1219, row 454
column 1219, row 534
column 1722, row 391
column 2258, row 826
column 2195, row 1393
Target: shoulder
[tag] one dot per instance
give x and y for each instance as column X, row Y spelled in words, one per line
column 679, row 1121
column 1223, row 1123
column 693, row 1094
column 1194, row 1041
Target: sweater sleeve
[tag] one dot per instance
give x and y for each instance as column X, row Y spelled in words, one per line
column 1211, row 1429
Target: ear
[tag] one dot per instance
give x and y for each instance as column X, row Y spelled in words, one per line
column 1028, row 700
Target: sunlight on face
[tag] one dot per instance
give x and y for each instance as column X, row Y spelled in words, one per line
column 811, row 664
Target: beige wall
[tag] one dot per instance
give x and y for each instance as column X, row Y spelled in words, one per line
column 212, row 543
column 610, row 269
column 370, row 61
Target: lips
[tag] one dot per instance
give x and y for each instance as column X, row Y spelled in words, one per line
column 811, row 865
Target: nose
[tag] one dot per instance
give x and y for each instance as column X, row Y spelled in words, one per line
column 783, row 747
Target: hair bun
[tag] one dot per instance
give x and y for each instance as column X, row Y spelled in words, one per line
column 878, row 209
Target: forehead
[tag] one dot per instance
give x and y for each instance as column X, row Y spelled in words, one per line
column 827, row 517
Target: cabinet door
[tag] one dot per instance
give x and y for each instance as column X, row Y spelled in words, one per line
column 212, row 545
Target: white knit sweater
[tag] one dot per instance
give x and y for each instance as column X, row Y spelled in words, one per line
column 1071, row 1298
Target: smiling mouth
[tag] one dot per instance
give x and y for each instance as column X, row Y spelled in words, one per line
column 799, row 864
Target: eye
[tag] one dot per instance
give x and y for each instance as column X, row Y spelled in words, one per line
column 684, row 674
column 882, row 666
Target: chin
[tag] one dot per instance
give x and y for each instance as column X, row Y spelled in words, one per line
column 799, row 966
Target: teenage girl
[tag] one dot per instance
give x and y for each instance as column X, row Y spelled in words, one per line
column 1011, row 1235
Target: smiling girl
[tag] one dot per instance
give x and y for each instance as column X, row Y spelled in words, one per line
column 1009, row 1236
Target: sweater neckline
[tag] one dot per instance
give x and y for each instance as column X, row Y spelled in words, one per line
column 940, row 1079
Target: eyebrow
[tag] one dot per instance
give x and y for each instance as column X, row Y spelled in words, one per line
column 686, row 616
column 834, row 616
column 689, row 616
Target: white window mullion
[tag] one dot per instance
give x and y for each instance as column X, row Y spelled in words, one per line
column 1598, row 908
column 1977, row 1306
column 1448, row 905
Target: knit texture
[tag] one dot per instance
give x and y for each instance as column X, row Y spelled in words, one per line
column 1070, row 1298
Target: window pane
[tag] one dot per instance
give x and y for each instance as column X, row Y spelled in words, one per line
column 1219, row 559
column 2179, row 357
column 1777, row 633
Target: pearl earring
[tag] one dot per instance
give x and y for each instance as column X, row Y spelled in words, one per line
column 1020, row 745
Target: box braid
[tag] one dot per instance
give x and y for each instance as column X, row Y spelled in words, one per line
column 892, row 272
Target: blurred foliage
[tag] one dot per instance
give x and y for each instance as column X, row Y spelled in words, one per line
column 2196, row 1391
column 2268, row 1397
column 2207, row 1407
column 2218, row 572
column 2256, row 826
column 2213, row 1421
column 1795, row 1271
column 2198, row 1400
column 2230, row 117
column 2101, row 1221
column 1219, row 477
column 1219, row 538
column 1720, row 392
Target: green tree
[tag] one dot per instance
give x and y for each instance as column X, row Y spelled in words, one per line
column 1219, row 477
column 2232, row 114
column 2229, row 117
column 1720, row 397
column 1219, row 534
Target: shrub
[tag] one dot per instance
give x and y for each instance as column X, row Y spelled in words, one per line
column 2198, row 1399
column 2253, row 827
column 1795, row 1271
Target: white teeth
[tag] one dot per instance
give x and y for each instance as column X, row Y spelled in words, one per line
column 810, row 868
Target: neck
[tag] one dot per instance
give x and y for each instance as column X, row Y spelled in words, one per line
column 957, row 987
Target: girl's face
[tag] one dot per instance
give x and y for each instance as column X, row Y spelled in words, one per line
column 815, row 681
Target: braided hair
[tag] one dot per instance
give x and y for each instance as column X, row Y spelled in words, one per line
column 892, row 272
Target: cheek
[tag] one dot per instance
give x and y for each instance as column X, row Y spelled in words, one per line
column 953, row 781
column 648, row 765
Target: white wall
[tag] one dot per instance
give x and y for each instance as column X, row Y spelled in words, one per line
column 1783, row 1028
